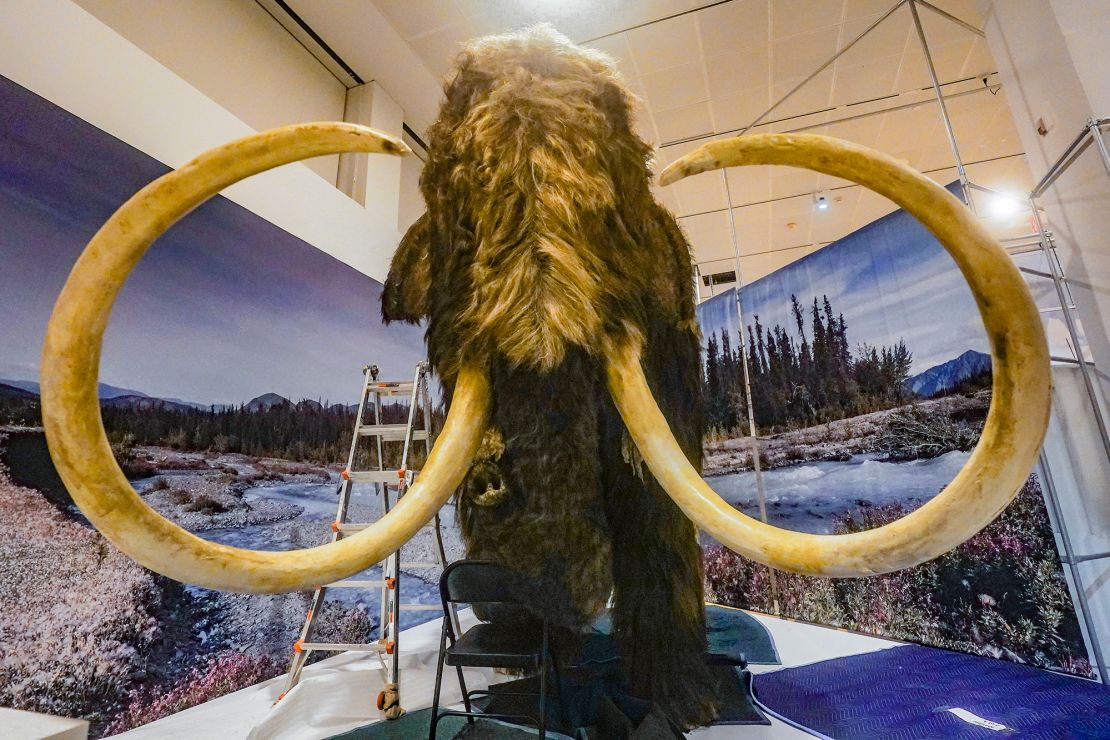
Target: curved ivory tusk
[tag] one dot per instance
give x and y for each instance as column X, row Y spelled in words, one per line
column 71, row 412
column 1011, row 437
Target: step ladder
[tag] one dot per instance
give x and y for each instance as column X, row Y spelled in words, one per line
column 391, row 484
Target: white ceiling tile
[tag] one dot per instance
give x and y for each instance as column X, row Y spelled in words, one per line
column 863, row 131
column 617, row 47
column 813, row 96
column 948, row 60
column 414, row 17
column 874, row 79
column 730, row 73
column 979, row 60
column 731, row 112
column 888, row 38
column 699, row 193
column 789, row 181
column 668, row 44
column 750, row 184
column 733, row 26
column 675, row 87
column 790, row 17
column 438, row 48
column 860, row 8
column 801, row 54
column 682, row 123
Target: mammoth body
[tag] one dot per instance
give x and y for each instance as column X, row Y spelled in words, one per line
column 542, row 247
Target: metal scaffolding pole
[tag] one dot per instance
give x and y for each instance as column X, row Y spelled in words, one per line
column 1048, row 248
column 753, row 431
column 940, row 101
column 1079, row 593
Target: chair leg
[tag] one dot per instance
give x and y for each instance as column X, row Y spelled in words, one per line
column 465, row 695
column 543, row 685
column 439, row 680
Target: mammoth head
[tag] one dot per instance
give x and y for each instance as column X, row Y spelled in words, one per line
column 537, row 195
column 536, row 241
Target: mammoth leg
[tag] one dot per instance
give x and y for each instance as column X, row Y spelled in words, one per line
column 659, row 609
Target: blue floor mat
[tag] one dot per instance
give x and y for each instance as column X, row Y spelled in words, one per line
column 906, row 692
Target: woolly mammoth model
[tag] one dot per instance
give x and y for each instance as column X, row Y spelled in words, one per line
column 541, row 249
column 560, row 315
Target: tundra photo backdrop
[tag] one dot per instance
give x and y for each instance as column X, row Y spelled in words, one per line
column 229, row 375
column 870, row 377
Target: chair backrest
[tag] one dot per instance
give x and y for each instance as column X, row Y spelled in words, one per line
column 479, row 582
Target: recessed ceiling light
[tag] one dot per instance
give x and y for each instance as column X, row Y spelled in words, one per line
column 821, row 200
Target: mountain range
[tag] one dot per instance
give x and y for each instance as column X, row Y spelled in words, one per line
column 116, row 397
column 947, row 375
column 103, row 390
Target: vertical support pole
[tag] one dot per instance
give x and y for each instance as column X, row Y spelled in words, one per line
column 753, row 432
column 1055, row 514
column 1095, row 127
column 1049, row 251
column 965, row 183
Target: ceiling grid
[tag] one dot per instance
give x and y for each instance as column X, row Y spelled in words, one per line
column 705, row 70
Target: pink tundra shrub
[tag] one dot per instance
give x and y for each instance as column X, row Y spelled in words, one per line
column 221, row 674
column 1002, row 593
column 79, row 615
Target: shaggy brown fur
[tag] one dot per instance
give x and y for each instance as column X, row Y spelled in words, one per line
column 542, row 246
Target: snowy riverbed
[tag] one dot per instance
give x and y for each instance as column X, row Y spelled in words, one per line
column 311, row 527
column 811, row 496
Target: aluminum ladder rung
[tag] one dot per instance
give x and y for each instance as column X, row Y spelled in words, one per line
column 354, row 583
column 390, row 432
column 354, row 647
column 421, row 607
column 390, row 388
column 389, row 477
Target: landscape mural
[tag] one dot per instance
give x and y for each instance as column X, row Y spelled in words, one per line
column 229, row 378
column 870, row 379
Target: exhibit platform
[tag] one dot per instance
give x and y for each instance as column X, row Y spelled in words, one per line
column 809, row 681
column 337, row 694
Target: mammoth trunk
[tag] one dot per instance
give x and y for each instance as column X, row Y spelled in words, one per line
column 533, row 498
column 556, row 495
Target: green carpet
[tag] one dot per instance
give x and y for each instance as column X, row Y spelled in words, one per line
column 729, row 631
column 414, row 726
column 739, row 635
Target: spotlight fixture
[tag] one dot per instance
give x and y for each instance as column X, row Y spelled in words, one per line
column 1002, row 205
column 821, row 200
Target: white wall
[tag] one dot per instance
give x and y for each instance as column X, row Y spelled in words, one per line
column 236, row 54
column 59, row 51
column 1052, row 58
column 1060, row 77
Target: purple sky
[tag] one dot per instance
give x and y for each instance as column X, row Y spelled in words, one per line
column 224, row 307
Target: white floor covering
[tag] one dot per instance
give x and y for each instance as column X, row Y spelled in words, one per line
column 338, row 694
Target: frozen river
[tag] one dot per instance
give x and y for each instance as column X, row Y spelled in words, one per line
column 312, row 527
column 809, row 497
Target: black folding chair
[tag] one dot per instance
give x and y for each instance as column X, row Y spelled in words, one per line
column 485, row 645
